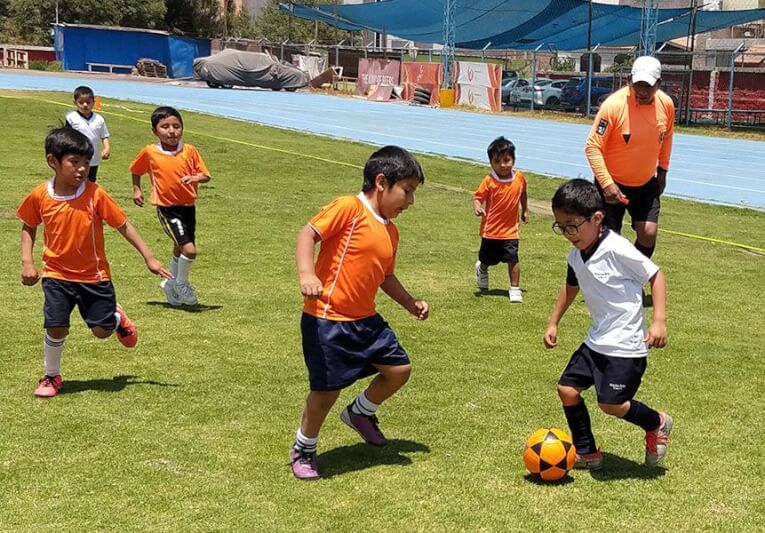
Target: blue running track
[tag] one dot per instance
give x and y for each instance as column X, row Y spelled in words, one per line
column 711, row 169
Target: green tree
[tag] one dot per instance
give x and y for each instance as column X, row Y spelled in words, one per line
column 276, row 25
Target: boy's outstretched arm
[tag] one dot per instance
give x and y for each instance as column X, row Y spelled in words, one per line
column 525, row 207
column 565, row 299
column 152, row 263
column 137, row 192
column 657, row 331
column 393, row 288
column 29, row 273
column 310, row 284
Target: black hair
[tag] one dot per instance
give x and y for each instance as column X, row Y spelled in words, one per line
column 578, row 197
column 164, row 112
column 394, row 163
column 63, row 141
column 500, row 146
column 83, row 90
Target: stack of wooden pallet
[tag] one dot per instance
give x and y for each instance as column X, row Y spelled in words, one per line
column 151, row 68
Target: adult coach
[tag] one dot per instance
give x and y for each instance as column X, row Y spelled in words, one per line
column 629, row 148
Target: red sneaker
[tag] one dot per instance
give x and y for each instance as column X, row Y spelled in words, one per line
column 590, row 461
column 126, row 332
column 48, row 386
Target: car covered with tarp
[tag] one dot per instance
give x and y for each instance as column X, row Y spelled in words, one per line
column 248, row 69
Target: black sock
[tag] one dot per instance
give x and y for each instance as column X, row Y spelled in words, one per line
column 645, row 250
column 581, row 430
column 642, row 415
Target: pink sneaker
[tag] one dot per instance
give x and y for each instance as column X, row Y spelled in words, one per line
column 366, row 426
column 126, row 332
column 590, row 461
column 48, row 386
column 657, row 441
column 304, row 464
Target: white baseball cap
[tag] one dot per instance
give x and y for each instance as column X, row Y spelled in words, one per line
column 647, row 69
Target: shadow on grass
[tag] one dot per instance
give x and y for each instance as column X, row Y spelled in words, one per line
column 361, row 456
column 536, row 480
column 116, row 384
column 490, row 292
column 196, row 308
column 616, row 468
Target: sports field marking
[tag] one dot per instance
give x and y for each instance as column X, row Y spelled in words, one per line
column 536, row 207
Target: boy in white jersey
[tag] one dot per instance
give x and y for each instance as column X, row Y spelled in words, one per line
column 92, row 125
column 610, row 272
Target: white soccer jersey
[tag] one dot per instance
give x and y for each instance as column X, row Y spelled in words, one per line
column 94, row 128
column 611, row 279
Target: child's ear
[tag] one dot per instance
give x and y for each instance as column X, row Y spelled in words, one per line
column 380, row 182
column 598, row 217
column 51, row 160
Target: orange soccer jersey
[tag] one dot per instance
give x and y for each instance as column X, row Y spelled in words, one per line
column 628, row 140
column 502, row 197
column 358, row 250
column 73, row 231
column 166, row 169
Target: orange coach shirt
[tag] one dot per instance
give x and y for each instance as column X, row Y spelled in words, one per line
column 501, row 198
column 358, row 250
column 165, row 169
column 73, row 233
column 627, row 140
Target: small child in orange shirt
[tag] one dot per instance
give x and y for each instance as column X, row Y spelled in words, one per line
column 175, row 169
column 71, row 210
column 344, row 338
column 496, row 201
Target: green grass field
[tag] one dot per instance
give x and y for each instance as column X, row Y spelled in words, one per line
column 190, row 430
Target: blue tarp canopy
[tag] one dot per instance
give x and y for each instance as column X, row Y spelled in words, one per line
column 517, row 24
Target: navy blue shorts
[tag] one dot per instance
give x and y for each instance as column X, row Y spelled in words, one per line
column 95, row 301
column 179, row 222
column 495, row 251
column 644, row 206
column 337, row 354
column 616, row 379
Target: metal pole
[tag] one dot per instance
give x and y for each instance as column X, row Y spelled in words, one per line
column 690, row 45
column 733, row 56
column 484, row 49
column 589, row 80
column 589, row 55
column 534, row 74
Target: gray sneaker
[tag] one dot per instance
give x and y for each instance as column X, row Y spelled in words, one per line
column 168, row 286
column 186, row 293
column 481, row 277
column 657, row 441
column 366, row 426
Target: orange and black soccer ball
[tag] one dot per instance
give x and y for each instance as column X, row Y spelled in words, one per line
column 549, row 453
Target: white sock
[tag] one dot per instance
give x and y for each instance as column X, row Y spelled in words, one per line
column 174, row 266
column 305, row 444
column 52, row 350
column 363, row 406
column 184, row 266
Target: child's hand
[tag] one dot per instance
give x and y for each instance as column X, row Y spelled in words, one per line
column 657, row 334
column 551, row 337
column 420, row 309
column 311, row 286
column 157, row 268
column 106, row 154
column 191, row 179
column 479, row 211
column 138, row 197
column 525, row 217
column 29, row 274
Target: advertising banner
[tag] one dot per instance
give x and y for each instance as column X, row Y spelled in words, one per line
column 376, row 73
column 478, row 85
column 428, row 76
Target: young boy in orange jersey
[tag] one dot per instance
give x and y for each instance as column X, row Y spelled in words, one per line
column 344, row 339
column 501, row 192
column 175, row 169
column 75, row 270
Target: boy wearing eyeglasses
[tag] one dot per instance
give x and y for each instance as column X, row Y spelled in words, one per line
column 610, row 272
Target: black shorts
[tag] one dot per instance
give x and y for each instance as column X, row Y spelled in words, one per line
column 339, row 353
column 92, row 173
column 616, row 379
column 179, row 222
column 644, row 206
column 95, row 301
column 494, row 251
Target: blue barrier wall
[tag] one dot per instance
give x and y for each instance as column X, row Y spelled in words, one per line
column 79, row 45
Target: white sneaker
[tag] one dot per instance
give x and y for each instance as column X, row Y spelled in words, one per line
column 481, row 277
column 516, row 295
column 185, row 293
column 168, row 286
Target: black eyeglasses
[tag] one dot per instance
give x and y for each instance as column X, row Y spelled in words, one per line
column 568, row 229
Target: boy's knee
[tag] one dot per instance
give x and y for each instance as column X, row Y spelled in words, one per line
column 400, row 373
column 614, row 409
column 568, row 394
column 57, row 333
column 101, row 333
column 189, row 250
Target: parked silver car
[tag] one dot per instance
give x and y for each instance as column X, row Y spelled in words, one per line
column 549, row 95
column 522, row 92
